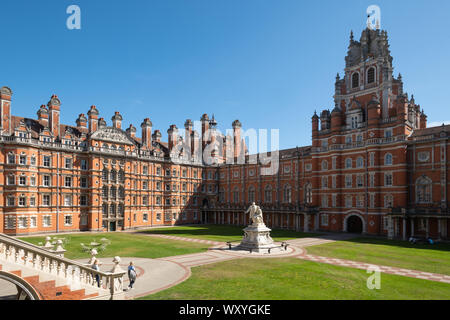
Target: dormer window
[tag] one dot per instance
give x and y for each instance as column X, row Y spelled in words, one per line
column 371, row 75
column 355, row 80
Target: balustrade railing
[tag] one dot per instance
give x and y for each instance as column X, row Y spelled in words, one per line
column 76, row 274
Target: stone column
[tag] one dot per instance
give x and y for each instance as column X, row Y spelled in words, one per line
column 390, row 228
column 306, row 223
column 404, row 229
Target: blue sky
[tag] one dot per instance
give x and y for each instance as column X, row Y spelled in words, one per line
column 268, row 63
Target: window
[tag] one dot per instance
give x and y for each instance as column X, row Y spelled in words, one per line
column 167, row 216
column 83, row 200
column 236, row 195
column 268, row 194
column 22, row 180
column 333, row 163
column 371, row 75
column 360, row 162
column 11, row 158
column 287, row 194
column 388, row 201
column 83, row 182
column 348, row 201
column 145, row 170
column 251, row 194
column 46, row 221
column 11, row 202
column 33, row 161
column 68, row 220
column 158, row 186
column 348, row 140
column 68, row 181
column 348, row 163
column 348, row 181
column 22, row 201
column 113, row 175
column 46, row 161
column 83, row 220
column 423, row 190
column 46, row 181
column 23, row 159
column 104, row 175
column 324, row 182
column 11, row 180
column 372, row 159
column 372, row 180
column 324, row 165
column 158, row 171
column 145, row 217
column 195, row 215
column 167, row 186
column 33, row 222
column 372, row 200
column 121, row 193
column 360, row 202
column 388, row 159
column 168, row 202
column 84, row 164
column 32, row 201
column 46, row 200
column 145, row 201
column 144, row 185
column 360, row 181
column 67, row 200
column 388, row 179
column 184, row 186
column 324, row 201
column 388, row 133
column 184, row 173
column 158, row 216
column 167, row 172
column 355, row 80
column 22, row 222
column 324, row 219
column 333, row 200
column 68, row 163
column 33, row 181
column 333, row 182
column 174, row 172
column 10, row 222
column 158, row 200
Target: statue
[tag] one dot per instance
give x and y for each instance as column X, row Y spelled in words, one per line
column 255, row 214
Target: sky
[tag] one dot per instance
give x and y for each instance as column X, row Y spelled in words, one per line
column 268, row 63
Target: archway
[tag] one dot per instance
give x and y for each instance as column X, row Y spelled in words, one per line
column 24, row 290
column 354, row 224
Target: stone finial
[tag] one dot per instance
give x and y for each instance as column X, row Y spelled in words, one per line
column 236, row 124
column 116, row 268
column 48, row 243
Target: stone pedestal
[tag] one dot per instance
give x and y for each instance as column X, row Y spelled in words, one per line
column 257, row 238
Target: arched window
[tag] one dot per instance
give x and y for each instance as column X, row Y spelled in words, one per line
column 324, row 165
column 105, row 192
column 348, row 163
column 388, row 159
column 360, row 162
column 268, row 194
column 121, row 192
column 371, row 75
column 236, row 195
column 251, row 194
column 287, row 194
column 355, row 80
column 113, row 175
column 308, row 193
column 388, row 201
column 424, row 190
column 121, row 176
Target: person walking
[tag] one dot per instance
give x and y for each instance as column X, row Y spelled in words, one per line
column 96, row 267
column 131, row 275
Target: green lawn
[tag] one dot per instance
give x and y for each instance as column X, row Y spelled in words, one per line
column 222, row 233
column 402, row 254
column 126, row 245
column 294, row 279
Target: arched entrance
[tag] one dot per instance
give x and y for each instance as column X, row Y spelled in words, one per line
column 354, row 224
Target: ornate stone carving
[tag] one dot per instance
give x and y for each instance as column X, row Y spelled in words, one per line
column 112, row 135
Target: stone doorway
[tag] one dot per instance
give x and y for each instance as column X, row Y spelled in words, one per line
column 354, row 224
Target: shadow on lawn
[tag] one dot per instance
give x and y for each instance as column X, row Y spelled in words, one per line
column 220, row 230
column 399, row 243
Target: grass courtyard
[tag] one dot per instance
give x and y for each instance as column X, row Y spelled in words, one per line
column 125, row 245
column 402, row 254
column 222, row 233
column 294, row 279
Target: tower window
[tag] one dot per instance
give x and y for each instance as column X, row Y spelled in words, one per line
column 371, row 75
column 355, row 80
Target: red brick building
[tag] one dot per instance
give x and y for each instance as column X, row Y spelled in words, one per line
column 373, row 167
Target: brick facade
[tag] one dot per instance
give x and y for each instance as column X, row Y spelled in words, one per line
column 373, row 167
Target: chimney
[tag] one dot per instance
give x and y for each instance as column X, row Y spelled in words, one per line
column 315, row 129
column 237, row 138
column 188, row 133
column 101, row 123
column 205, row 130
column 157, row 136
column 147, row 133
column 5, row 104
column 93, row 119
column 54, row 107
column 43, row 116
column 117, row 120
column 423, row 120
column 173, row 136
column 131, row 131
column 82, row 121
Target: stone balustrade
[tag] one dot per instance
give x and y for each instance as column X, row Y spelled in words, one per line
column 76, row 274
